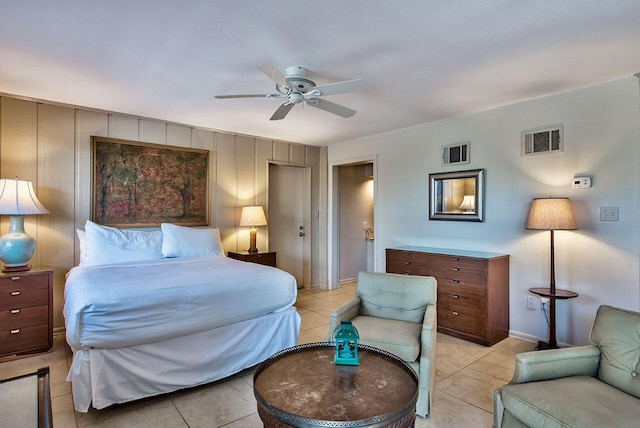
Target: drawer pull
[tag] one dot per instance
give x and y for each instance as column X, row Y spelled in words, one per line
column 16, row 331
column 455, row 296
column 456, row 281
column 15, row 293
column 15, row 278
column 406, row 262
column 455, row 269
column 455, row 259
column 15, row 311
column 455, row 313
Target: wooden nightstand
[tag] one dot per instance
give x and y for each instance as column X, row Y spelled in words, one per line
column 26, row 312
column 268, row 259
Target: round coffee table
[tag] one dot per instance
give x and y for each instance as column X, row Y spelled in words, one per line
column 302, row 387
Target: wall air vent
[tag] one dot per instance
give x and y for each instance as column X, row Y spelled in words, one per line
column 542, row 141
column 455, row 154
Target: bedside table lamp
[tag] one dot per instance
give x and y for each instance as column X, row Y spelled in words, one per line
column 551, row 214
column 252, row 217
column 17, row 199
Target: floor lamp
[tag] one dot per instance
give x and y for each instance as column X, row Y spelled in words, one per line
column 551, row 214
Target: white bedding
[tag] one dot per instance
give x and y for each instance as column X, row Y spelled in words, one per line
column 127, row 304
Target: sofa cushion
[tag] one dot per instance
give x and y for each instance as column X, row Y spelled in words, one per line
column 401, row 338
column 576, row 401
column 617, row 333
column 394, row 296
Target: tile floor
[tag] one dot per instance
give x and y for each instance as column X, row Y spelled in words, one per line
column 466, row 375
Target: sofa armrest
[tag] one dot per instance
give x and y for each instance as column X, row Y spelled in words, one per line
column 346, row 311
column 556, row 363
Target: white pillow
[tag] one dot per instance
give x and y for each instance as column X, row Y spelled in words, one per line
column 104, row 244
column 180, row 241
column 82, row 237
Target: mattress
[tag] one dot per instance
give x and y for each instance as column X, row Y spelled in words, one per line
column 126, row 304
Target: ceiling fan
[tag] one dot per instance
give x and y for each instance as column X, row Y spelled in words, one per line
column 296, row 88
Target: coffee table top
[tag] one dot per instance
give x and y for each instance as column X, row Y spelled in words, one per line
column 302, row 385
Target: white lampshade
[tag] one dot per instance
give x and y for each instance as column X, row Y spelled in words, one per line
column 253, row 216
column 18, row 197
column 551, row 214
column 468, row 202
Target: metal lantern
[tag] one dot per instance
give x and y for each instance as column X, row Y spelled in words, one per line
column 346, row 338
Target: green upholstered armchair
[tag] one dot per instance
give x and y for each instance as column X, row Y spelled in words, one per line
column 584, row 386
column 397, row 313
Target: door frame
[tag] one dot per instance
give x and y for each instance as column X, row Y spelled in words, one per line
column 306, row 216
column 333, row 227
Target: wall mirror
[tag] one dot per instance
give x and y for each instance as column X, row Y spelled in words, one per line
column 457, row 195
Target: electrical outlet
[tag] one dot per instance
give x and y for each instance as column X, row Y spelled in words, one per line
column 531, row 303
column 609, row 214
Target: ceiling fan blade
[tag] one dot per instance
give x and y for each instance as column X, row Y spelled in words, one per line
column 282, row 111
column 331, row 107
column 357, row 85
column 224, row 97
column 274, row 74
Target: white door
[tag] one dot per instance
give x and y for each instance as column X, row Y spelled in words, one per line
column 286, row 218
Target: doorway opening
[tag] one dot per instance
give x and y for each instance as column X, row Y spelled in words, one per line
column 352, row 221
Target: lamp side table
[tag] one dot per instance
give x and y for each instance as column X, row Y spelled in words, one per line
column 262, row 258
column 552, row 295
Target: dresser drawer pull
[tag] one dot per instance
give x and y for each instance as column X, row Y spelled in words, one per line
column 406, row 262
column 455, row 313
column 455, row 296
column 455, row 259
column 455, row 269
column 15, row 311
column 15, row 278
column 16, row 331
column 456, row 281
column 15, row 293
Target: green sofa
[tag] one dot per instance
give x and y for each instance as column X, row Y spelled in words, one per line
column 585, row 386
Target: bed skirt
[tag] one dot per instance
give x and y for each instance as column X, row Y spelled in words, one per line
column 102, row 377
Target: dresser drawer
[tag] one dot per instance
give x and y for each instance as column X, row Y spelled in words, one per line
column 463, row 299
column 461, row 320
column 25, row 317
column 459, row 273
column 24, row 339
column 23, row 298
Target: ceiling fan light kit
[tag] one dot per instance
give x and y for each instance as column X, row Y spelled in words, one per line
column 296, row 88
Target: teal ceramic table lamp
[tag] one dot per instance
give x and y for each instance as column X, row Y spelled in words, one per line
column 17, row 199
column 346, row 339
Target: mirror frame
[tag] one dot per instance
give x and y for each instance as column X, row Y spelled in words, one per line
column 435, row 179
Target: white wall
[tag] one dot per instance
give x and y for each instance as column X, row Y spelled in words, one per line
column 601, row 139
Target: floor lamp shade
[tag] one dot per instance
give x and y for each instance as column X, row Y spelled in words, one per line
column 252, row 217
column 17, row 199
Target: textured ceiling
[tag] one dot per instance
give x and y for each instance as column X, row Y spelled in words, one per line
column 423, row 59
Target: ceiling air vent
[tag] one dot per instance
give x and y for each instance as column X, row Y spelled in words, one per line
column 455, row 154
column 541, row 141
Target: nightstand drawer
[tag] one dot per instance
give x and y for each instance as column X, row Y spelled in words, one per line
column 24, row 339
column 25, row 317
column 23, row 282
column 21, row 298
column 267, row 258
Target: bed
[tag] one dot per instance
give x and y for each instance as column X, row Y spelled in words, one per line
column 159, row 324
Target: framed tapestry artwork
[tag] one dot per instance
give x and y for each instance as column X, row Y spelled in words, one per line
column 142, row 185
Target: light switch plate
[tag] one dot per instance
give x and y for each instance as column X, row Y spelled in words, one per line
column 609, row 213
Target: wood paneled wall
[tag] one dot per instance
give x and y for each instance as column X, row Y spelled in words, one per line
column 49, row 144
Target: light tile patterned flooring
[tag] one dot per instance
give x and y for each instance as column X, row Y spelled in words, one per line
column 466, row 375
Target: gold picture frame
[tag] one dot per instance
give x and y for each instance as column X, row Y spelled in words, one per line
column 138, row 184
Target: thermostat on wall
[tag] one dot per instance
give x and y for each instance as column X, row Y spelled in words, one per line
column 581, row 182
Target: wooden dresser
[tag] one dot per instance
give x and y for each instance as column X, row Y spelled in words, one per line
column 473, row 289
column 26, row 312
